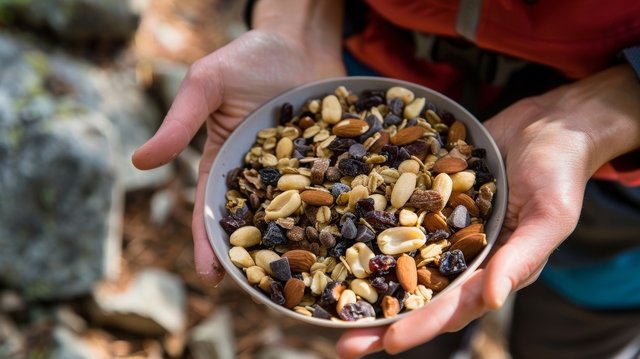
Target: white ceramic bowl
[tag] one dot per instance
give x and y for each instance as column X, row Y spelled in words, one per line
column 232, row 153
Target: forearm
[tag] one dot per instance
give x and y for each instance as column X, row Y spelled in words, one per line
column 313, row 25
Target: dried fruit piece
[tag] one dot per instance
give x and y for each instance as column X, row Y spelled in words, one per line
column 356, row 311
column 269, row 176
column 332, row 292
column 381, row 220
column 426, row 200
column 352, row 167
column 381, row 264
column 452, row 262
column 276, row 292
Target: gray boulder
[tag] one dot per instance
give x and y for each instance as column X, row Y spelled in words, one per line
column 67, row 131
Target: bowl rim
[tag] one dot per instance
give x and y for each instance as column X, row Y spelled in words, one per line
column 497, row 216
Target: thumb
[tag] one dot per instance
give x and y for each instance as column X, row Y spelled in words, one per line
column 200, row 94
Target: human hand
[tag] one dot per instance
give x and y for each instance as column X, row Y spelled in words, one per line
column 551, row 144
column 220, row 90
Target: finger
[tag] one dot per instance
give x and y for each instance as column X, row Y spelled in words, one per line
column 521, row 259
column 451, row 312
column 200, row 94
column 359, row 342
column 206, row 263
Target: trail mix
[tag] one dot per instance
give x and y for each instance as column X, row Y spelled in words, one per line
column 359, row 206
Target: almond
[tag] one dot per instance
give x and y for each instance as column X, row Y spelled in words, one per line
column 432, row 279
column 381, row 142
column 316, row 197
column 407, row 135
column 463, row 199
column 457, row 132
column 434, row 221
column 470, row 245
column 350, row 128
column 300, row 260
column 407, row 273
column 449, row 165
column 390, row 306
column 472, row 228
column 293, row 292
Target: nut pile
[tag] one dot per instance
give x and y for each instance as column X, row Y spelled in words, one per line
column 359, row 206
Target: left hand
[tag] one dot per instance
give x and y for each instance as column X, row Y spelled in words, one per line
column 551, row 144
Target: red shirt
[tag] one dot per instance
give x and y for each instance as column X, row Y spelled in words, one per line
column 575, row 37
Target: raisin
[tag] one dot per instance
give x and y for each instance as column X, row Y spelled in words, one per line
column 372, row 92
column 352, row 168
column 483, row 175
column 381, row 264
column 390, row 152
column 396, row 107
column 230, row 223
column 419, row 148
column 365, row 103
column 393, row 288
column 379, row 284
column 403, row 155
column 447, row 117
column 331, row 293
column 269, row 176
column 381, row 220
column 286, row 113
column 276, row 293
column 364, row 234
column 364, row 206
column 358, row 310
column 273, row 235
column 437, row 235
column 452, row 262
column 348, row 229
column 412, row 122
column 341, row 145
column 232, row 178
column 479, row 152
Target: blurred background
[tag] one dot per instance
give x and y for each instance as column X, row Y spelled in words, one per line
column 95, row 256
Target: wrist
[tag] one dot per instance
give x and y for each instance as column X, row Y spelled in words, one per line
column 605, row 108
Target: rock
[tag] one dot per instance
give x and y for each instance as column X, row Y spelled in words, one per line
column 153, row 303
column 213, row 338
column 283, row 352
column 68, row 82
column 79, row 19
column 69, row 345
column 60, row 201
column 12, row 341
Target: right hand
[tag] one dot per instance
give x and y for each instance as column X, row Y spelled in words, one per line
column 220, row 90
